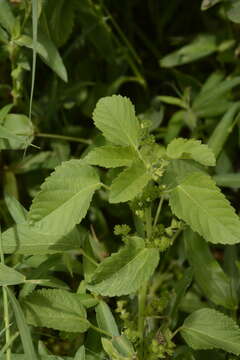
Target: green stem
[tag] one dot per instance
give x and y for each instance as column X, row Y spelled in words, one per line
column 63, row 137
column 148, row 218
column 100, row 331
column 7, row 345
column 142, row 294
column 83, row 253
column 158, row 211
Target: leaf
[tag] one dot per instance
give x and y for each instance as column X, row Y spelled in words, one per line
column 199, row 202
column 17, row 211
column 228, row 180
column 47, row 51
column 210, row 329
column 9, row 276
column 111, row 156
column 22, row 327
column 124, row 272
column 209, row 275
column 60, row 16
column 129, row 183
column 119, row 348
column 7, row 19
column 233, row 12
column 57, row 309
column 16, row 132
column 23, row 239
column 202, row 46
column 80, row 354
column 115, row 117
column 105, row 319
column 223, row 129
column 193, row 149
column 206, row 4
column 64, row 198
column 4, row 111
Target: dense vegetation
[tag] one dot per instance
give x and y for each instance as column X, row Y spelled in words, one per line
column 119, row 139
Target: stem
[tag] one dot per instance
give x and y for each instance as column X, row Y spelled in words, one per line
column 101, row 331
column 63, row 137
column 83, row 253
column 148, row 217
column 5, row 308
column 158, row 211
column 7, row 345
column 142, row 294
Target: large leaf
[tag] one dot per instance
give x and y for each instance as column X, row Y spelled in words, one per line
column 129, row 183
column 199, row 202
column 47, row 51
column 23, row 239
column 111, row 156
column 209, row 275
column 16, row 132
column 193, row 149
column 210, row 329
column 64, row 198
column 124, row 272
column 115, row 117
column 7, row 19
column 57, row 309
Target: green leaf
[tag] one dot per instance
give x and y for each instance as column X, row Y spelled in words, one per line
column 233, row 12
column 23, row 239
column 193, row 149
column 17, row 211
column 206, row 4
column 7, row 19
column 129, row 183
column 228, row 180
column 115, row 117
column 57, row 309
column 64, row 198
column 209, row 275
column 23, row 328
column 119, row 348
column 111, row 156
column 80, row 354
column 124, row 272
column 60, row 18
column 202, row 46
column 210, row 329
column 199, row 202
column 105, row 319
column 9, row 276
column 16, row 132
column 4, row 111
column 47, row 51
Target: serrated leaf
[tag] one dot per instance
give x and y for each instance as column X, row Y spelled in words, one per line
column 16, row 132
column 64, row 198
column 210, row 329
column 191, row 149
column 124, row 272
column 111, row 156
column 209, row 275
column 200, row 203
column 23, row 239
column 115, row 117
column 57, row 309
column 9, row 276
column 129, row 183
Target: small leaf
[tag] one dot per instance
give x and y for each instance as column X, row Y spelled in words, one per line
column 57, row 309
column 17, row 211
column 111, row 278
column 4, row 111
column 210, row 329
column 193, row 149
column 64, row 198
column 105, row 319
column 129, row 183
column 115, row 117
column 9, row 276
column 199, row 202
column 209, row 275
column 111, row 156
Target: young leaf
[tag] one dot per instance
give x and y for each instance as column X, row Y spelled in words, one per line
column 111, row 278
column 23, row 239
column 210, row 329
column 115, row 117
column 199, row 202
column 111, row 156
column 64, row 198
column 129, row 183
column 193, row 149
column 9, row 276
column 57, row 309
column 209, row 275
column 105, row 319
